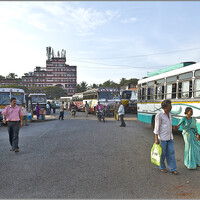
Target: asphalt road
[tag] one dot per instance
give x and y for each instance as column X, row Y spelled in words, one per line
column 83, row 158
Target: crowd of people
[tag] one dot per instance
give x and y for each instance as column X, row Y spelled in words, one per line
column 16, row 117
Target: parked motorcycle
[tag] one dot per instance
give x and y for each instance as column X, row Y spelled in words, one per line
column 101, row 115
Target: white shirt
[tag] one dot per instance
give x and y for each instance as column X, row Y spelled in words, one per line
column 163, row 126
column 47, row 106
column 121, row 110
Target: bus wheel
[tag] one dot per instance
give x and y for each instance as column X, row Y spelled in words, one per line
column 153, row 123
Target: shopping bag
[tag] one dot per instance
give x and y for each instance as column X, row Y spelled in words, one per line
column 156, row 152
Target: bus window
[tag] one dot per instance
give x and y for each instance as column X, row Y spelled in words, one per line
column 197, row 73
column 185, row 76
column 185, row 89
column 150, row 94
column 171, row 91
column 197, row 88
column 143, row 93
column 160, row 91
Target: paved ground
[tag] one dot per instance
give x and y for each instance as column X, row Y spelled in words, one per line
column 83, row 158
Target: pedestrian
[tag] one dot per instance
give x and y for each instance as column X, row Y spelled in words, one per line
column 13, row 114
column 121, row 114
column 115, row 110
column 25, row 115
column 38, row 110
column 107, row 105
column 164, row 136
column 54, row 106
column 86, row 108
column 191, row 138
column 61, row 111
column 48, row 108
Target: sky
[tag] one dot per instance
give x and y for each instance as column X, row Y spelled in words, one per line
column 106, row 40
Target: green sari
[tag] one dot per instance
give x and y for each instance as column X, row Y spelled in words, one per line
column 192, row 146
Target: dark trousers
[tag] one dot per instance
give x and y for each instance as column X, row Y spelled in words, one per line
column 122, row 120
column 54, row 110
column 61, row 115
column 13, row 130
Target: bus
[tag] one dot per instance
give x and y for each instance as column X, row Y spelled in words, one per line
column 7, row 93
column 39, row 98
column 111, row 95
column 129, row 100
column 66, row 101
column 77, row 99
column 180, row 83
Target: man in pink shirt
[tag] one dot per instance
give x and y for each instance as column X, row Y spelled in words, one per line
column 13, row 115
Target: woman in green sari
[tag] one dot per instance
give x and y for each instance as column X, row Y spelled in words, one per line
column 191, row 138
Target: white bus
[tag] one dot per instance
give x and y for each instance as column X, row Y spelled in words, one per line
column 179, row 83
column 111, row 95
column 39, row 98
column 7, row 93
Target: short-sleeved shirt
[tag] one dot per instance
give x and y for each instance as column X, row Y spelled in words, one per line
column 12, row 113
column 163, row 126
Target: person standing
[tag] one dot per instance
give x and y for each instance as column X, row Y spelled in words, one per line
column 115, row 110
column 164, row 136
column 25, row 117
column 48, row 108
column 13, row 114
column 54, row 106
column 191, row 138
column 61, row 111
column 86, row 108
column 38, row 110
column 121, row 114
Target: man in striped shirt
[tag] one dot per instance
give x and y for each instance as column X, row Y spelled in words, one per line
column 14, row 116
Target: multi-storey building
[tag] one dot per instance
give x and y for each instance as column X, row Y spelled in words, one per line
column 56, row 73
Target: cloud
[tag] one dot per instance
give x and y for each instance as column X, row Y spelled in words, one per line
column 130, row 20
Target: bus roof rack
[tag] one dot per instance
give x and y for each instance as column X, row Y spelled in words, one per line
column 170, row 68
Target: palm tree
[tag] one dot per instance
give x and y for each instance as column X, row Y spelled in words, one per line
column 12, row 76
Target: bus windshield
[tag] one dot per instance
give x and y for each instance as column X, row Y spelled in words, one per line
column 39, row 98
column 5, row 98
column 109, row 95
column 126, row 94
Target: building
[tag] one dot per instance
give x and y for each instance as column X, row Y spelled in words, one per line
column 56, row 73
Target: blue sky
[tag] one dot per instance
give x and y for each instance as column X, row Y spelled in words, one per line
column 106, row 40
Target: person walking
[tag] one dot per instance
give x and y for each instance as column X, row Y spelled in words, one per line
column 61, row 111
column 86, row 108
column 38, row 110
column 191, row 138
column 48, row 108
column 54, row 106
column 164, row 136
column 115, row 110
column 121, row 114
column 25, row 115
column 13, row 114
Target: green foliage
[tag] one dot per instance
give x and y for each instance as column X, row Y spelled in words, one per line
column 82, row 86
column 12, row 76
column 109, row 83
column 54, row 92
column 2, row 76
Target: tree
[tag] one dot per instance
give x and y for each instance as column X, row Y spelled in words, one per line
column 123, row 81
column 26, row 74
column 12, row 76
column 109, row 83
column 54, row 92
column 82, row 86
column 2, row 76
